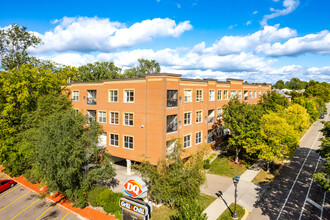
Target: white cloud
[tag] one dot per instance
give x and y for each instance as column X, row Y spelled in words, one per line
column 237, row 44
column 289, row 6
column 84, row 34
column 248, row 23
column 255, row 12
column 178, row 5
column 311, row 43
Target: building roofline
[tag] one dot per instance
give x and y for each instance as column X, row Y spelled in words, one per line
column 232, row 79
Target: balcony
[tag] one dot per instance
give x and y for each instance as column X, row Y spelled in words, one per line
column 172, row 98
column 210, row 118
column 91, row 97
column 171, row 125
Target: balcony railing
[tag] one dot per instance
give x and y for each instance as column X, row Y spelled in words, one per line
column 172, row 102
column 171, row 127
column 91, row 101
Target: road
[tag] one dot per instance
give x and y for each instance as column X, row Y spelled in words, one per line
column 293, row 194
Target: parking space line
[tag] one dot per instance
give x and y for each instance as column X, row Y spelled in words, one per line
column 14, row 201
column 65, row 216
column 46, row 211
column 25, row 209
column 9, row 191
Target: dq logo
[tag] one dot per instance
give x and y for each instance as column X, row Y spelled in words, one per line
column 135, row 187
column 132, row 188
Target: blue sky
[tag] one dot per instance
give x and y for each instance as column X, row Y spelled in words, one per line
column 256, row 40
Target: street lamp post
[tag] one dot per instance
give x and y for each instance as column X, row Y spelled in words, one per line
column 235, row 180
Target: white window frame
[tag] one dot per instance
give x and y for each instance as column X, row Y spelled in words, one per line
column 128, row 121
column 114, row 140
column 198, row 139
column 102, row 116
column 250, row 94
column 233, row 93
column 239, row 94
column 187, row 95
column 219, row 115
column 211, row 95
column 199, row 117
column 219, row 94
column 75, row 97
column 254, row 94
column 186, row 141
column 186, row 118
column 113, row 118
column 128, row 97
column 127, row 138
column 113, row 95
column 199, row 95
column 225, row 94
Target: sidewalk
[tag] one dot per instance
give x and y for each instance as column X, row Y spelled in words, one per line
column 247, row 194
column 60, row 200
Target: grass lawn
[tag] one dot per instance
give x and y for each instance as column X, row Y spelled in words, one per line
column 227, row 215
column 164, row 212
column 224, row 167
column 265, row 178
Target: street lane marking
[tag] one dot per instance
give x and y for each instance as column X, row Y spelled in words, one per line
column 64, row 216
column 25, row 209
column 314, row 203
column 46, row 211
column 321, row 216
column 309, row 189
column 9, row 191
column 286, row 200
column 14, row 201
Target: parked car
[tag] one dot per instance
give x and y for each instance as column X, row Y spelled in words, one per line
column 6, row 184
column 321, row 116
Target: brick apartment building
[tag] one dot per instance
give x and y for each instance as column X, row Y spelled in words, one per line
column 142, row 116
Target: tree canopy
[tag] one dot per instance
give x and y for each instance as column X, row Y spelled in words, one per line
column 297, row 116
column 98, row 71
column 14, row 42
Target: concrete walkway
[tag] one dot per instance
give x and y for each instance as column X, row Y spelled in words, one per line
column 247, row 193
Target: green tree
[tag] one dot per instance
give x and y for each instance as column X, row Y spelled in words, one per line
column 272, row 101
column 323, row 176
column 309, row 105
column 20, row 90
column 145, row 67
column 279, row 85
column 68, row 159
column 297, row 116
column 98, row 71
column 321, row 90
column 242, row 120
column 14, row 42
column 277, row 138
column 174, row 179
column 190, row 210
column 295, row 84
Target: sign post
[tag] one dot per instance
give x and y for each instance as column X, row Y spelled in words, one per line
column 133, row 206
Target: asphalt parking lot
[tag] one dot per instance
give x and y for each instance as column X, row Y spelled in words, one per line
column 21, row 203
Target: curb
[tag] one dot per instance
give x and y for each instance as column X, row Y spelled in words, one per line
column 246, row 214
column 49, row 200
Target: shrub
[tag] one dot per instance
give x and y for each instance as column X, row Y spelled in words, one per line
column 93, row 195
column 207, row 164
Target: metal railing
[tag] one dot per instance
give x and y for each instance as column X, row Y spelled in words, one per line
column 172, row 102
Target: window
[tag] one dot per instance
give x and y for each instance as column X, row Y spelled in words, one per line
column 225, row 94
column 186, row 141
column 246, row 95
column 199, row 95
column 172, row 98
column 102, row 117
column 170, row 146
column 91, row 97
column 219, row 112
column 211, row 95
column 219, row 94
column 199, row 116
column 171, row 124
column 210, row 117
column 233, row 94
column 76, row 111
column 187, row 118
column 259, row 93
column 210, row 136
column 128, row 119
column 255, row 94
column 75, row 95
column 250, row 94
column 114, row 118
column 128, row 96
column 239, row 94
column 187, row 96
column 91, row 116
column 198, row 137
column 114, row 140
column 128, row 142
column 113, row 95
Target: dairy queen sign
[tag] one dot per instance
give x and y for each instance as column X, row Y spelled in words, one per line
column 133, row 206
